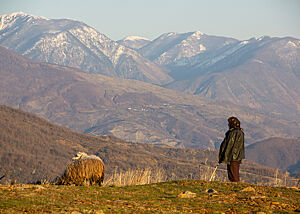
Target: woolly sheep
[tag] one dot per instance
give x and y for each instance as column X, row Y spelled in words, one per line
column 83, row 170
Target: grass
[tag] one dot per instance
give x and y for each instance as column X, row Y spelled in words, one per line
column 150, row 198
column 134, row 177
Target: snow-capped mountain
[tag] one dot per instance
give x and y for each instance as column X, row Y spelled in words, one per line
column 134, row 42
column 75, row 44
column 244, row 46
column 171, row 47
column 262, row 73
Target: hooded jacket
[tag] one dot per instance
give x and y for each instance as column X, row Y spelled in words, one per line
column 232, row 147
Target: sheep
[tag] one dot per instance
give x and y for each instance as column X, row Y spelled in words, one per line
column 83, row 155
column 83, row 170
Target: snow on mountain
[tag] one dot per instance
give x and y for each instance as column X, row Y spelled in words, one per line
column 73, row 43
column 134, row 38
column 186, row 48
column 202, row 60
column 239, row 50
column 134, row 42
column 261, row 73
column 7, row 20
column 288, row 51
column 162, row 44
column 172, row 47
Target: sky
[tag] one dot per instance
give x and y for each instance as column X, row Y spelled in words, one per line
column 117, row 19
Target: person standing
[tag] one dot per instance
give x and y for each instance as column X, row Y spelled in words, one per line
column 232, row 149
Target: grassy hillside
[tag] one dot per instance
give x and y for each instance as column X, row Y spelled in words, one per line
column 209, row 197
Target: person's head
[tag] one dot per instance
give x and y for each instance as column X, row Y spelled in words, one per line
column 233, row 122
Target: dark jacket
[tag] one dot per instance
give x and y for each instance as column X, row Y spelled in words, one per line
column 232, row 147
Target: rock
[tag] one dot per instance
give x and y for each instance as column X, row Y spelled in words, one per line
column 187, row 194
column 38, row 187
column 294, row 187
column 27, row 186
column 257, row 197
column 211, row 191
column 248, row 189
column 76, row 212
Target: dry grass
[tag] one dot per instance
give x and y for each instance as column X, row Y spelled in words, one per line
column 135, row 177
column 277, row 179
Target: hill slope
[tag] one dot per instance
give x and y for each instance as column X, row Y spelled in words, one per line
column 34, row 149
column 277, row 153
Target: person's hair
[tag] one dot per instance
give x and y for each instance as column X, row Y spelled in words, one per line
column 233, row 122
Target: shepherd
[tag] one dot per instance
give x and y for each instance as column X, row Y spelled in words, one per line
column 232, row 149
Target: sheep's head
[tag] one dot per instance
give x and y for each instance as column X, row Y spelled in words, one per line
column 79, row 155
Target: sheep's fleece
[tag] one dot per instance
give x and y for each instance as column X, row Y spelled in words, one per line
column 83, row 170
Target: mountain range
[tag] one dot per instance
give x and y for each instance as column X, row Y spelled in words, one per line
column 260, row 73
column 73, row 43
column 256, row 80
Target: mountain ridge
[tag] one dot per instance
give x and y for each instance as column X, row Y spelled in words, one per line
column 171, row 47
column 75, row 44
column 134, row 42
column 262, row 74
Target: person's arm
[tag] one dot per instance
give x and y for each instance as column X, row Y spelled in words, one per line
column 221, row 151
column 223, row 147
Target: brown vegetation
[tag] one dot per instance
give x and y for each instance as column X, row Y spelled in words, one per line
column 34, row 150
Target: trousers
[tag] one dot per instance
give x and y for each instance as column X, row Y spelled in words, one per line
column 233, row 171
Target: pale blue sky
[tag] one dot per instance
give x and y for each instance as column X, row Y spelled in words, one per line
column 240, row 19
